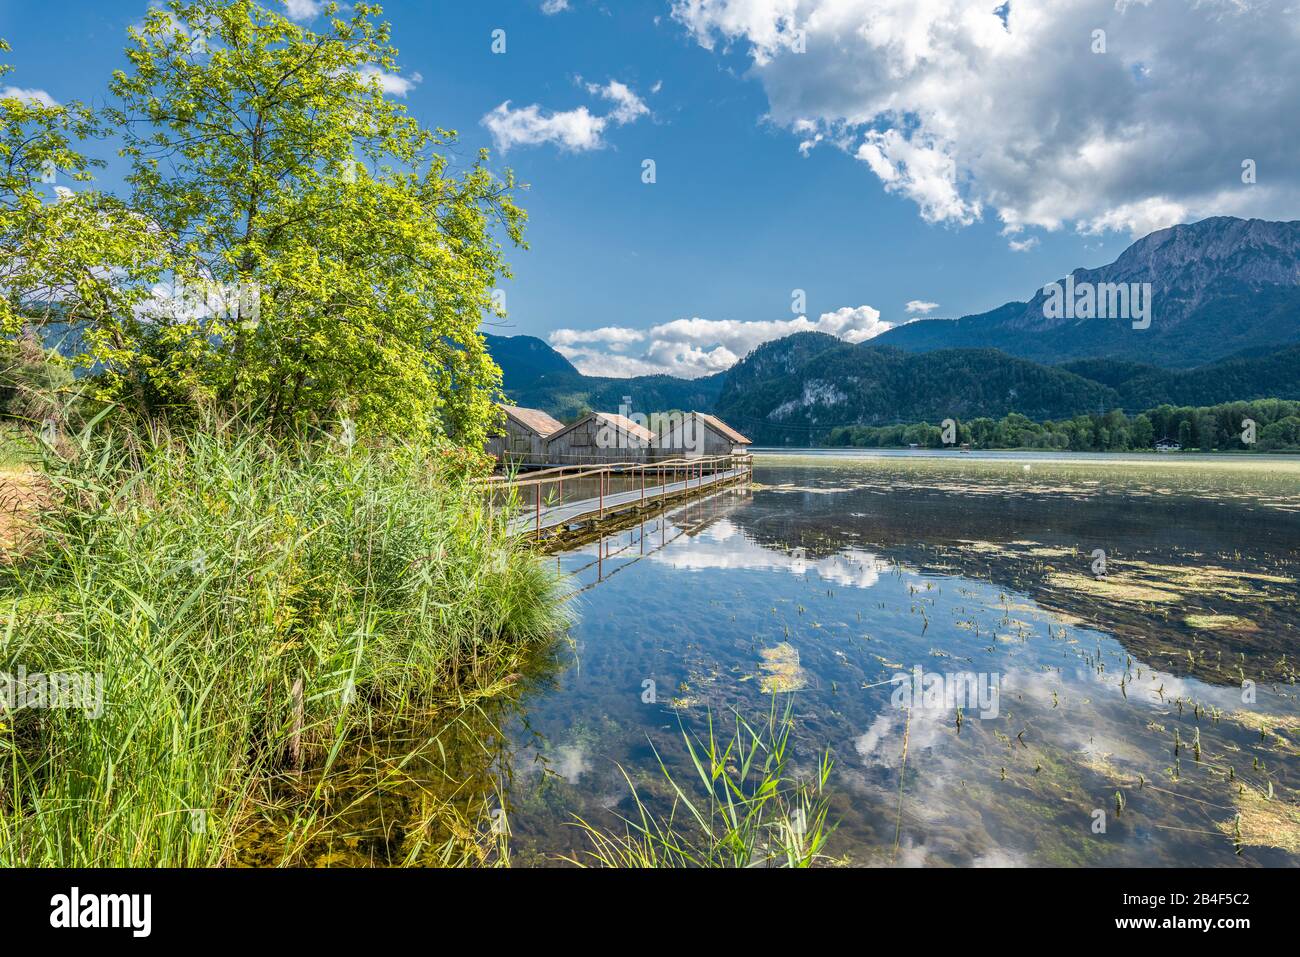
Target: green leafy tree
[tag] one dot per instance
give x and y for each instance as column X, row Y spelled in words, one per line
column 1143, row 433
column 329, row 262
column 1107, row 432
column 67, row 255
column 982, row 432
column 1282, row 434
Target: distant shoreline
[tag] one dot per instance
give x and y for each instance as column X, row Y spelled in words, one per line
column 1037, row 455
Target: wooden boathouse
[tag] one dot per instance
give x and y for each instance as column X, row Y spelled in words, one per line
column 564, row 480
column 523, row 437
column 699, row 435
column 600, row 438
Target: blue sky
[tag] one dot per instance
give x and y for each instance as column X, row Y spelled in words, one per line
column 739, row 217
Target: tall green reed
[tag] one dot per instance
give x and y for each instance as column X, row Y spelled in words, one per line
column 747, row 808
column 251, row 605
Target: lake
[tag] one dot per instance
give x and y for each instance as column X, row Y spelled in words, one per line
column 1124, row 630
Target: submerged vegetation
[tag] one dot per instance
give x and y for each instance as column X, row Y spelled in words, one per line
column 250, row 606
column 1263, row 821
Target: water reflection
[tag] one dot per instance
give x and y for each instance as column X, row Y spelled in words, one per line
column 1122, row 737
column 1147, row 716
column 722, row 545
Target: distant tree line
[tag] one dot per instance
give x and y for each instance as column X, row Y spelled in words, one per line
column 1224, row 427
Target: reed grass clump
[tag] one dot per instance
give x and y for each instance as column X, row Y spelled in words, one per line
column 746, row 808
column 250, row 604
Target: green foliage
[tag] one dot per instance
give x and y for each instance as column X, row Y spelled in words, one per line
column 326, row 259
column 879, row 386
column 796, row 390
column 64, row 255
column 34, row 383
column 812, row 388
column 1222, row 427
column 746, row 808
column 352, row 265
column 1273, row 372
column 249, row 605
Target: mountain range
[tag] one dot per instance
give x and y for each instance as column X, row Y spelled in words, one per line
column 1224, row 326
column 536, row 376
column 1218, row 287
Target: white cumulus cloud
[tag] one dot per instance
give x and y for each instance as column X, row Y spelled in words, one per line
column 921, row 306
column 576, row 130
column 303, row 9
column 391, row 83
column 696, row 347
column 973, row 109
column 616, row 337
column 27, row 96
column 628, row 107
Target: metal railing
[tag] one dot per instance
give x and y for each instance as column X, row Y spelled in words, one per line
column 670, row 477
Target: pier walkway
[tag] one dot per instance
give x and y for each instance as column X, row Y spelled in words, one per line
column 570, row 499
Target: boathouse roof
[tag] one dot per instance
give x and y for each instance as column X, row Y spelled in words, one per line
column 615, row 421
column 725, row 429
column 533, row 419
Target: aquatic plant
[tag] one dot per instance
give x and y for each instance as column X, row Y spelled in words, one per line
column 781, row 668
column 1262, row 821
column 749, row 808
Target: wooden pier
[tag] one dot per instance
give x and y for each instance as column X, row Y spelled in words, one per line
column 559, row 502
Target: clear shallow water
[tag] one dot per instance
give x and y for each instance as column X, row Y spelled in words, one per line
column 955, row 566
column 853, row 569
